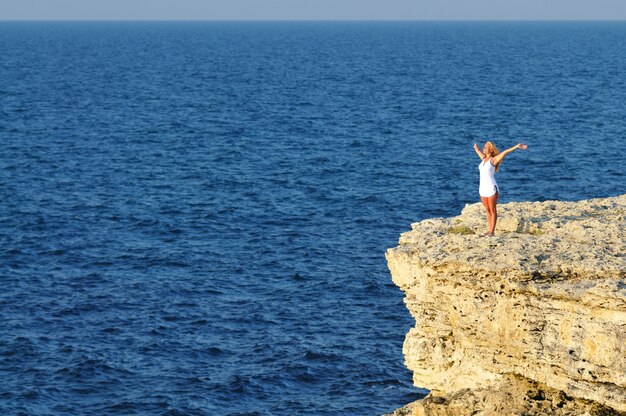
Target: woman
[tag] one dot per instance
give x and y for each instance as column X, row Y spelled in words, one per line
column 488, row 189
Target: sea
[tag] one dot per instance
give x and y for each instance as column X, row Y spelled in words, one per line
column 194, row 215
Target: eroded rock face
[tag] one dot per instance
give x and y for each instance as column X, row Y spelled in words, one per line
column 510, row 396
column 545, row 301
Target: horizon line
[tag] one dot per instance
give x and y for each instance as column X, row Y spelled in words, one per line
column 311, row 20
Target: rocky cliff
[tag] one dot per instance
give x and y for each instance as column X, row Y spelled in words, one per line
column 532, row 321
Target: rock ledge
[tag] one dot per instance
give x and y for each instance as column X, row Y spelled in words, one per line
column 541, row 307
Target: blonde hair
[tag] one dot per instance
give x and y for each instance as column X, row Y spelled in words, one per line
column 495, row 153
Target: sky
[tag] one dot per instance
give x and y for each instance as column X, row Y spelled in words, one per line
column 312, row 9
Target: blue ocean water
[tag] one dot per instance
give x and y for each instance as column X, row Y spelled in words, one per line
column 194, row 216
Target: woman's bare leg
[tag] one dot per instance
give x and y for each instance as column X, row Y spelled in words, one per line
column 492, row 203
column 485, row 202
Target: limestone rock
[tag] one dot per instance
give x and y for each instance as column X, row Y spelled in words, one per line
column 510, row 396
column 543, row 302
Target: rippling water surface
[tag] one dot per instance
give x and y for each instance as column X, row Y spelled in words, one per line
column 194, row 216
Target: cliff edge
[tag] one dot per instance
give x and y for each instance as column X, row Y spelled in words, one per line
column 532, row 321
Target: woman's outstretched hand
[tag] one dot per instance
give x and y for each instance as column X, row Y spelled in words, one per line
column 521, row 146
column 476, row 147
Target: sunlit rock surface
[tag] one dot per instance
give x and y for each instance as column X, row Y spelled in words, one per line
column 539, row 308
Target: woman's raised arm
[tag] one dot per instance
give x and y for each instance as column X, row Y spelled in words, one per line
column 480, row 154
column 496, row 160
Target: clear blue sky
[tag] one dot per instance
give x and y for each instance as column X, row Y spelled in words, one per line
column 312, row 9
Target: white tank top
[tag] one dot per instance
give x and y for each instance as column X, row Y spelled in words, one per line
column 488, row 185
